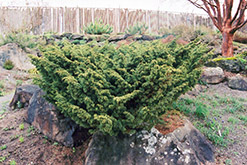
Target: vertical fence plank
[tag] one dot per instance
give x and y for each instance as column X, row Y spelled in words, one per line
column 42, row 19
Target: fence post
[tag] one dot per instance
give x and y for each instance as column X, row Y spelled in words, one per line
column 92, row 11
column 107, row 16
column 167, row 20
column 127, row 18
column 118, row 19
column 149, row 23
column 51, row 9
column 77, row 20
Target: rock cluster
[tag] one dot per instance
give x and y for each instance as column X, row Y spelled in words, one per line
column 76, row 38
column 215, row 75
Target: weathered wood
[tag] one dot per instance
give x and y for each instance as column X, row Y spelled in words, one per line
column 45, row 19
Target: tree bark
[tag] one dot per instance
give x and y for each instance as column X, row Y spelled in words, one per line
column 227, row 44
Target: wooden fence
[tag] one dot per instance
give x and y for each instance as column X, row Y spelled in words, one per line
column 49, row 19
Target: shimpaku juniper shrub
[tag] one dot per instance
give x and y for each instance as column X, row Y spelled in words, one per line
column 118, row 90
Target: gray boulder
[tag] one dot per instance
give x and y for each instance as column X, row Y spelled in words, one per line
column 18, row 56
column 238, row 82
column 46, row 118
column 116, row 38
column 77, row 37
column 22, row 96
column 234, row 65
column 212, row 75
column 184, row 146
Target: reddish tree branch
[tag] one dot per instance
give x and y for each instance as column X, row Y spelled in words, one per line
column 238, row 9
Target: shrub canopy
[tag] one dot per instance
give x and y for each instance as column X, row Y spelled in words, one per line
column 118, row 90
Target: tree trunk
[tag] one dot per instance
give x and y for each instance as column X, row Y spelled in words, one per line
column 227, row 44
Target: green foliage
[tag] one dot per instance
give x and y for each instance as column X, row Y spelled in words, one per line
column 137, row 29
column 243, row 118
column 201, row 110
column 21, row 139
column 19, row 82
column 2, row 159
column 1, row 88
column 3, row 147
column 208, row 115
column 8, row 64
column 22, row 39
column 12, row 162
column 189, row 33
column 20, row 105
column 21, row 126
column 232, row 120
column 118, row 90
column 214, row 130
column 98, row 27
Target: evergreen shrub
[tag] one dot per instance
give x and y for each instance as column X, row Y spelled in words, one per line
column 98, row 27
column 139, row 28
column 118, row 91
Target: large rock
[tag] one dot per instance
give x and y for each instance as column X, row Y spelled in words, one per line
column 229, row 65
column 22, row 96
column 238, row 82
column 212, row 75
column 44, row 116
column 18, row 56
column 116, row 38
column 184, row 146
column 77, row 37
column 144, row 38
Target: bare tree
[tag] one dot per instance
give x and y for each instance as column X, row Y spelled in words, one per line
column 221, row 15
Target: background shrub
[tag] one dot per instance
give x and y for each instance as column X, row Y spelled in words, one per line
column 138, row 28
column 1, row 88
column 118, row 90
column 22, row 39
column 8, row 64
column 98, row 27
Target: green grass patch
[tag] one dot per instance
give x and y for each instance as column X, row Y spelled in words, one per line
column 206, row 113
column 3, row 147
column 233, row 120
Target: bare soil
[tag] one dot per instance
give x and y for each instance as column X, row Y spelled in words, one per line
column 27, row 146
column 173, row 120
